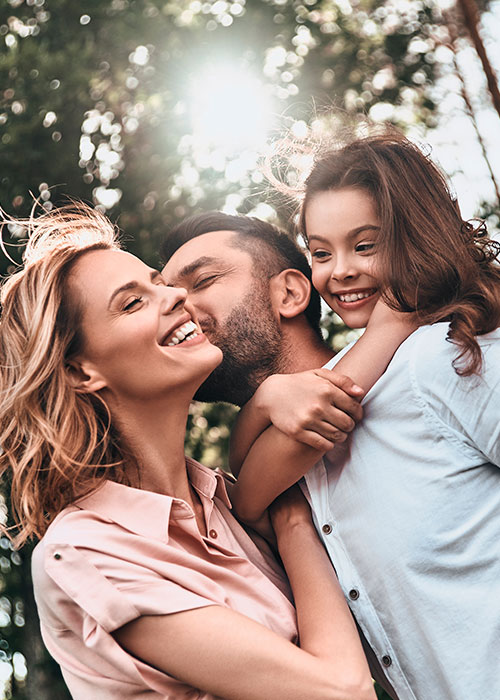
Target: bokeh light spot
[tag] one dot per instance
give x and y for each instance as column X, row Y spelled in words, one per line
column 229, row 108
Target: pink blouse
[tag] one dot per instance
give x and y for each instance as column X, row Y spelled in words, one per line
column 121, row 553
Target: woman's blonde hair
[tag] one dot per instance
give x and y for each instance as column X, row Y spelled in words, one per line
column 57, row 443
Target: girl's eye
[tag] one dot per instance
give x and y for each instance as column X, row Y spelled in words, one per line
column 130, row 305
column 320, row 254
column 365, row 248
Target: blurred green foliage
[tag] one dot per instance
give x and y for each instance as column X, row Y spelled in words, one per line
column 98, row 101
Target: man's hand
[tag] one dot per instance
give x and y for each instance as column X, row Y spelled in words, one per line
column 318, row 407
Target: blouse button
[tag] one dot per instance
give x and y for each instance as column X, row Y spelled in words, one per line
column 354, row 594
column 213, row 534
column 57, row 555
column 327, row 528
column 386, row 660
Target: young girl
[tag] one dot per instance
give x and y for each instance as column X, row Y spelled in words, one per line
column 381, row 226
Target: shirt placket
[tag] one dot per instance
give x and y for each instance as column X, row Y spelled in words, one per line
column 350, row 582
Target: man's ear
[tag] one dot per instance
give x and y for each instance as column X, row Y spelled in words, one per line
column 290, row 292
column 84, row 377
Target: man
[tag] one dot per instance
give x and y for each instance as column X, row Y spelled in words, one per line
column 409, row 510
column 251, row 287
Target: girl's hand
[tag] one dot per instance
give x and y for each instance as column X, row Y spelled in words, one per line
column 383, row 316
column 318, row 407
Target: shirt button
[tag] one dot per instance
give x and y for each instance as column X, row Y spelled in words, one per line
column 386, row 660
column 327, row 528
column 57, row 555
column 213, row 534
column 354, row 594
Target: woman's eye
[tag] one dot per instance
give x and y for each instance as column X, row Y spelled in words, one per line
column 132, row 303
column 365, row 247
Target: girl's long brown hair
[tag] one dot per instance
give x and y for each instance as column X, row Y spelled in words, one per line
column 432, row 262
column 57, row 443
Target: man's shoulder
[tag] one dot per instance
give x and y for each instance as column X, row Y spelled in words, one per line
column 432, row 352
column 429, row 355
column 423, row 342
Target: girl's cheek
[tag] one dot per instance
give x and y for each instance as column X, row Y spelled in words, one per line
column 373, row 266
column 316, row 276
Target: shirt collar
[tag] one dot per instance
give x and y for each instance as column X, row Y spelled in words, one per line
column 127, row 506
column 209, row 483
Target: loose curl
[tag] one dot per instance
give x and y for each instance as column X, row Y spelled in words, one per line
column 57, row 442
column 432, row 262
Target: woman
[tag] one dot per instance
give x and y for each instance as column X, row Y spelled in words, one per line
column 145, row 583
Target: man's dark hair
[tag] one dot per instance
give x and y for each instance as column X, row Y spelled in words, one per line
column 271, row 249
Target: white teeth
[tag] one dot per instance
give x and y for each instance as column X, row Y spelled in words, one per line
column 189, row 329
column 355, row 296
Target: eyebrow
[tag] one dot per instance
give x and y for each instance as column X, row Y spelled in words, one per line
column 133, row 284
column 350, row 234
column 195, row 265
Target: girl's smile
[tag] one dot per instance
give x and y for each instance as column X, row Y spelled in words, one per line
column 350, row 299
column 342, row 228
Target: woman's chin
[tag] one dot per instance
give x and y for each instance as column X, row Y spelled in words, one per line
column 211, row 361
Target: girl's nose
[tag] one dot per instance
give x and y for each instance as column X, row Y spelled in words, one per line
column 343, row 268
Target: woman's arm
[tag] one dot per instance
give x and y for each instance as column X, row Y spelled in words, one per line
column 274, row 461
column 227, row 654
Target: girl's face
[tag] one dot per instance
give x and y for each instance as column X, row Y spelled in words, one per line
column 342, row 230
column 141, row 340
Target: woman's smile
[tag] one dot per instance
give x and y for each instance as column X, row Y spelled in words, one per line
column 131, row 341
column 186, row 331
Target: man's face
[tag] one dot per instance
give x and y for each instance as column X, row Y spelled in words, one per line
column 234, row 310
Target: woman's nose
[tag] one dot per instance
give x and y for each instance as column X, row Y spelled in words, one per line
column 173, row 299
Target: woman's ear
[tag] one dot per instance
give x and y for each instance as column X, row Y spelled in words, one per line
column 83, row 377
column 290, row 292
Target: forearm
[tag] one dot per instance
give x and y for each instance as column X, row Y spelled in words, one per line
column 326, row 627
column 369, row 357
column 251, row 422
column 317, row 407
column 273, row 464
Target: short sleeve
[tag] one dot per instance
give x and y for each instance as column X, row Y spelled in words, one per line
column 465, row 410
column 111, row 602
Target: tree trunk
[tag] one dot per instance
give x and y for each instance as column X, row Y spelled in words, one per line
column 471, row 19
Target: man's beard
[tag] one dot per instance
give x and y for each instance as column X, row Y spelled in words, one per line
column 251, row 342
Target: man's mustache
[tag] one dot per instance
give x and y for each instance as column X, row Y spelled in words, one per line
column 208, row 325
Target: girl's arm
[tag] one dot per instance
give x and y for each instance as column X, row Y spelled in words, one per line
column 229, row 655
column 275, row 461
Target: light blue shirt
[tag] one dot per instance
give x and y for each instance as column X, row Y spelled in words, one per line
column 409, row 511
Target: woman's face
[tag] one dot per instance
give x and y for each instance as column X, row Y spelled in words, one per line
column 342, row 230
column 140, row 337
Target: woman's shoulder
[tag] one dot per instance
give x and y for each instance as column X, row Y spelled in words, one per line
column 73, row 527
